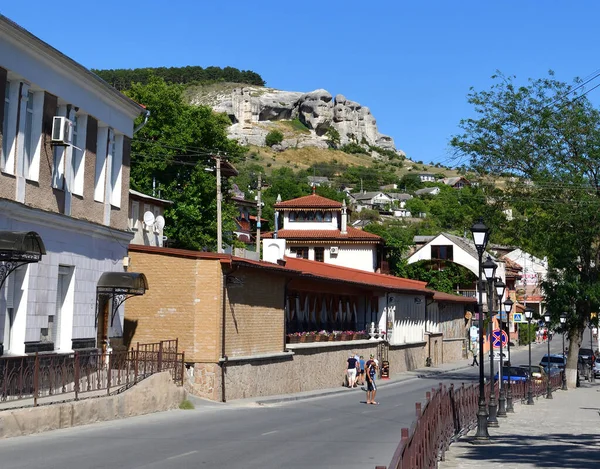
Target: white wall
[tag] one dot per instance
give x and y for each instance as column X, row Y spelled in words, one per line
column 409, row 319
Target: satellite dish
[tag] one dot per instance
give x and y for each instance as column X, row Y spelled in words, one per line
column 148, row 218
column 160, row 222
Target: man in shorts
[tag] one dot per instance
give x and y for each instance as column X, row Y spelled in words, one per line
column 370, row 373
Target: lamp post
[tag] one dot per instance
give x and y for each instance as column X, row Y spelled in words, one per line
column 563, row 320
column 528, row 315
column 500, row 287
column 489, row 270
column 592, row 374
column 548, row 386
column 508, row 304
column 481, row 234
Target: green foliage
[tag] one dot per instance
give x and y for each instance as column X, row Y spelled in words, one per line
column 274, row 137
column 333, row 137
column 546, row 133
column 298, row 125
column 172, row 150
column 122, row 79
column 447, row 277
column 410, row 182
column 391, row 154
column 186, row 405
column 398, row 239
column 353, row 149
column 527, row 333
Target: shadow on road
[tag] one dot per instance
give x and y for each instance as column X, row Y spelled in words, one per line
column 553, row 450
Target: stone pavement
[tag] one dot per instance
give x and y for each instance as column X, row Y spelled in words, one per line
column 563, row 432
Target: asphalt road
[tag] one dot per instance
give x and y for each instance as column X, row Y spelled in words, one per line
column 327, row 432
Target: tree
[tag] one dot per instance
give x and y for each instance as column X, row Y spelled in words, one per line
column 274, row 137
column 170, row 155
column 410, row 182
column 547, row 135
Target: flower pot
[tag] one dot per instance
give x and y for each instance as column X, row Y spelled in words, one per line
column 293, row 339
column 310, row 338
column 302, row 339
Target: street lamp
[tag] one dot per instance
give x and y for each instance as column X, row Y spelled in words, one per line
column 500, row 288
column 548, row 386
column 481, row 235
column 508, row 304
column 528, row 315
column 489, row 269
column 563, row 320
column 592, row 375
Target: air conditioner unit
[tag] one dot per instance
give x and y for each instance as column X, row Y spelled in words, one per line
column 333, row 250
column 62, row 131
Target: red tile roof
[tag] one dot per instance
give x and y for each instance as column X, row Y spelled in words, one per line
column 337, row 273
column 309, row 201
column 352, row 234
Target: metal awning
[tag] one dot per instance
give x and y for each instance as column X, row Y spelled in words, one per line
column 120, row 286
column 18, row 248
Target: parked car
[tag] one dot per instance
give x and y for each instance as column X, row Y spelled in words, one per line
column 516, row 374
column 596, row 369
column 538, row 373
column 587, row 354
column 557, row 361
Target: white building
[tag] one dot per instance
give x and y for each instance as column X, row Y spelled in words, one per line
column 74, row 195
column 316, row 228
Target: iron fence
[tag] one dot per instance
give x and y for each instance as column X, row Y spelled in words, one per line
column 449, row 413
column 69, row 376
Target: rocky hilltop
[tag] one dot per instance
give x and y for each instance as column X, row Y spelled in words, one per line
column 253, row 110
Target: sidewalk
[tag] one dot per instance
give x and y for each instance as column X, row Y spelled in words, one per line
column 563, row 432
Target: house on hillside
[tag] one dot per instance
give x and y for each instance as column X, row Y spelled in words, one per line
column 427, row 177
column 318, row 181
column 146, row 218
column 427, row 191
column 316, row 228
column 64, row 198
column 456, row 182
column 371, row 201
column 399, row 204
column 251, row 328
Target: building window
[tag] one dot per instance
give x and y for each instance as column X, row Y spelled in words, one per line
column 134, row 215
column 320, row 254
column 78, row 156
column 300, row 252
column 59, row 155
column 9, row 127
column 442, row 252
column 104, row 137
column 116, row 171
column 292, row 216
column 327, row 217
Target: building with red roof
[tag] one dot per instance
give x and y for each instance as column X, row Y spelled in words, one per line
column 316, row 228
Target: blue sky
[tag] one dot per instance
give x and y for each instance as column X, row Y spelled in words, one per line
column 411, row 63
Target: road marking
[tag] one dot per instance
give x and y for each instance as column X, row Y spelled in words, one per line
column 268, row 433
column 182, row 455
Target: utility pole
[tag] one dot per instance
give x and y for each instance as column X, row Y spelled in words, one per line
column 258, row 213
column 219, row 197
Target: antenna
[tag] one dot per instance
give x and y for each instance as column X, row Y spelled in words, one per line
column 159, row 222
column 148, row 218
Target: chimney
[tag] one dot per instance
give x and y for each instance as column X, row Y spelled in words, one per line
column 344, row 229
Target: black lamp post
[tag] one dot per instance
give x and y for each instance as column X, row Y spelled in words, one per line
column 563, row 320
column 489, row 270
column 481, row 234
column 508, row 304
column 500, row 287
column 592, row 375
column 528, row 315
column 548, row 386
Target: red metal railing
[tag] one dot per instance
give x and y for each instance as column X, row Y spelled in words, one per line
column 447, row 414
column 69, row 376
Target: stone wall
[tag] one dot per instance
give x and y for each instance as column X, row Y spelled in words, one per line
column 454, row 349
column 154, row 394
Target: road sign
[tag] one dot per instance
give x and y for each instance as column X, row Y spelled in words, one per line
column 499, row 336
column 505, row 356
column 518, row 317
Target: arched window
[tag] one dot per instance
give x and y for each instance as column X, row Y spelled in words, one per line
column 292, row 216
column 327, row 216
column 319, row 216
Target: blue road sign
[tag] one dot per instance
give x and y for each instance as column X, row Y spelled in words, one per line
column 499, row 336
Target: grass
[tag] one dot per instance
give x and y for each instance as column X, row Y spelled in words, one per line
column 186, row 405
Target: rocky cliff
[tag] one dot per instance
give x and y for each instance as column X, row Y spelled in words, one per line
column 252, row 110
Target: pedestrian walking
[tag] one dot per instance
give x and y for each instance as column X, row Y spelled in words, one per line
column 474, row 354
column 351, row 371
column 361, row 373
column 370, row 373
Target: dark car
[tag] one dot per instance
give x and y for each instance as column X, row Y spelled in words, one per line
column 587, row 354
column 557, row 362
column 516, row 374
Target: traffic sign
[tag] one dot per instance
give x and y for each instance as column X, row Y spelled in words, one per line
column 505, row 356
column 518, row 317
column 499, row 336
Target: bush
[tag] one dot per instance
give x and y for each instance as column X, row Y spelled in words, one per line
column 353, row 149
column 274, row 137
column 186, row 405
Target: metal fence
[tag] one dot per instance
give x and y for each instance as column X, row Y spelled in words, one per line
column 69, row 376
column 449, row 413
